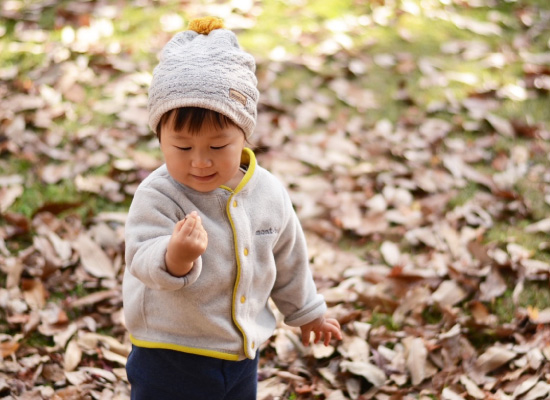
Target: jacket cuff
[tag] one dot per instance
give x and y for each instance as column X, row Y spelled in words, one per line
column 163, row 280
column 315, row 309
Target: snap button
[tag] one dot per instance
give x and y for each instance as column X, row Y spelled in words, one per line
column 234, row 203
column 253, row 345
column 243, row 299
column 245, row 252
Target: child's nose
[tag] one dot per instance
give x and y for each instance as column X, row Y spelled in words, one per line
column 201, row 160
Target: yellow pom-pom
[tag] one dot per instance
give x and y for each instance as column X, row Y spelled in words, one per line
column 205, row 25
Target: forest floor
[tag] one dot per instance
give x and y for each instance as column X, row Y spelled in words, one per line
column 413, row 137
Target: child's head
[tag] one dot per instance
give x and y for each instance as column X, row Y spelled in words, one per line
column 204, row 68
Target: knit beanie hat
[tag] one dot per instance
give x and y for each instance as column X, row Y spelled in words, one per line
column 205, row 67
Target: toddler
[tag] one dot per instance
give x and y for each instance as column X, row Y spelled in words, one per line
column 210, row 235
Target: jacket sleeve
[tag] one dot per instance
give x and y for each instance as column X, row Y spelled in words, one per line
column 149, row 226
column 294, row 292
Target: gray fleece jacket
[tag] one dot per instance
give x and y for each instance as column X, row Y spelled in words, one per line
column 256, row 250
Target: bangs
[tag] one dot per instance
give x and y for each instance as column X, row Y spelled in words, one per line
column 193, row 119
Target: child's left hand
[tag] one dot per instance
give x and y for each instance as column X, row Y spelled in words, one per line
column 323, row 328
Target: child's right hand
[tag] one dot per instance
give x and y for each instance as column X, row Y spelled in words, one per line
column 188, row 242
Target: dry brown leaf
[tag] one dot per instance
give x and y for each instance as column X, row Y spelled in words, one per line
column 271, row 388
column 355, row 349
column 501, row 125
column 540, row 391
column 286, row 344
column 525, row 386
column 417, row 358
column 449, row 394
column 415, row 300
column 8, row 195
column 94, row 298
column 8, row 348
column 34, row 293
column 449, row 293
column 540, row 226
column 93, row 373
column 114, row 357
column 539, row 316
column 90, row 340
column 391, row 253
column 472, row 389
column 493, row 358
column 93, row 258
column 336, row 395
column 493, row 286
column 369, row 371
column 72, row 356
column 481, row 314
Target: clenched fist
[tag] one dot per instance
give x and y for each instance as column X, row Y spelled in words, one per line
column 188, row 242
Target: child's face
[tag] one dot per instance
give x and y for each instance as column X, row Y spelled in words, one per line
column 204, row 160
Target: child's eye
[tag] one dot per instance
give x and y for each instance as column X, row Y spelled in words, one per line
column 217, row 147
column 183, row 148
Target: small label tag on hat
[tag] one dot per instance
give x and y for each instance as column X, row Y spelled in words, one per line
column 238, row 96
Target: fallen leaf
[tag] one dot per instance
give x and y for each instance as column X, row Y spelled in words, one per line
column 539, row 391
column 493, row 358
column 472, row 389
column 271, row 388
column 370, row 372
column 8, row 348
column 8, row 195
column 390, row 253
column 449, row 394
column 72, row 356
column 417, row 356
column 93, row 258
column 540, row 226
column 449, row 293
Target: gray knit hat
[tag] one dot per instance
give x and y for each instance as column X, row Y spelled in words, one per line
column 205, row 67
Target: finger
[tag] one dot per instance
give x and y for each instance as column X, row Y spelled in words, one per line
column 306, row 334
column 179, row 225
column 334, row 322
column 338, row 330
column 189, row 226
column 328, row 336
column 317, row 336
column 335, row 328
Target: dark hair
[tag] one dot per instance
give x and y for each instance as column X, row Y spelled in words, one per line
column 193, row 119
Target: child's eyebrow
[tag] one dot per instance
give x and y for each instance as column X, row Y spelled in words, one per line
column 220, row 135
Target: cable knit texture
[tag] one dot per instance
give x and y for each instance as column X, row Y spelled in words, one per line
column 205, row 67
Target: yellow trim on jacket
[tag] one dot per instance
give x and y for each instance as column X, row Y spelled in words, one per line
column 251, row 166
column 170, row 346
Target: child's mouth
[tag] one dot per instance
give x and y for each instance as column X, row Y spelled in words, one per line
column 204, row 178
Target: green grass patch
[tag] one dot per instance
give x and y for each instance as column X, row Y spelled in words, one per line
column 504, row 232
column 531, row 110
column 432, row 315
column 64, row 198
column 531, row 192
column 38, row 194
column 535, row 294
column 464, row 195
column 503, row 307
column 381, row 319
column 37, row 340
column 482, row 338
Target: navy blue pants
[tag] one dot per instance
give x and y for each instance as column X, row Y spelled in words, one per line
column 158, row 374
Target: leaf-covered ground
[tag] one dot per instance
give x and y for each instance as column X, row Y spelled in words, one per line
column 413, row 136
